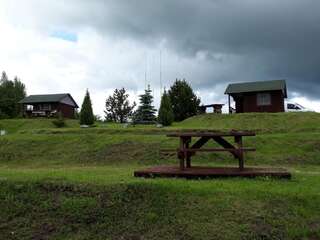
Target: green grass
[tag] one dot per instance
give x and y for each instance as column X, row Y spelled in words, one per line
column 74, row 183
column 262, row 122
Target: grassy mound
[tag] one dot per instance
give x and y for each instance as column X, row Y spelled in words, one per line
column 74, row 183
column 261, row 122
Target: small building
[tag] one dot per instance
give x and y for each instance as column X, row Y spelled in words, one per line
column 263, row 96
column 217, row 108
column 49, row 105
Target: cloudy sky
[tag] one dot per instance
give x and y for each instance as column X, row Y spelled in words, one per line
column 59, row 46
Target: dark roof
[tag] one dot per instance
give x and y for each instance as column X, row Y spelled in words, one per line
column 257, row 87
column 47, row 98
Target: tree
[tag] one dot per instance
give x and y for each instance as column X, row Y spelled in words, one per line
column 86, row 113
column 165, row 115
column 184, row 102
column 118, row 108
column 145, row 112
column 11, row 92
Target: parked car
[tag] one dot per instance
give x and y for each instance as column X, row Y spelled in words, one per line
column 295, row 107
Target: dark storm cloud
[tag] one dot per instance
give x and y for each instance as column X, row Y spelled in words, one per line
column 256, row 40
column 243, row 40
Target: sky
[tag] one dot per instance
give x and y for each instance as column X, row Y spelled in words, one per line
column 57, row 46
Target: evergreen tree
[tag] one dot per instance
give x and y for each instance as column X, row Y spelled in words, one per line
column 145, row 112
column 86, row 113
column 165, row 115
column 4, row 77
column 184, row 102
column 11, row 92
column 118, row 108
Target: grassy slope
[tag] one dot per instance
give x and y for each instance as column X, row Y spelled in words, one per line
column 77, row 183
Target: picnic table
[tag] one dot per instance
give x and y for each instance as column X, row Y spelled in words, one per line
column 186, row 150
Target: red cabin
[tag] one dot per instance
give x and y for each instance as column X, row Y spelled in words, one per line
column 49, row 105
column 263, row 96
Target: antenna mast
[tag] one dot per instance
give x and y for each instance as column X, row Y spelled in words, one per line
column 160, row 73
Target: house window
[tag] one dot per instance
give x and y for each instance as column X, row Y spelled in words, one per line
column 45, row 107
column 29, row 107
column 263, row 99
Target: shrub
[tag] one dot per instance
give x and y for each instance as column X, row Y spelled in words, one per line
column 59, row 121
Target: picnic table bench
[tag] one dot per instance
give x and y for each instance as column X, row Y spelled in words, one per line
column 186, row 151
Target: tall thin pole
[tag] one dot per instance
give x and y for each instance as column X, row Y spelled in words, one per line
column 145, row 73
column 160, row 73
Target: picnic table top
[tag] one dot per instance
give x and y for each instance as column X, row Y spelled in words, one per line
column 210, row 133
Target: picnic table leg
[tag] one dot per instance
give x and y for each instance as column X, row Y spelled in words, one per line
column 188, row 153
column 183, row 155
column 238, row 140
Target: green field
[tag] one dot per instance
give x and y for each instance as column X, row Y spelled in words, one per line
column 74, row 183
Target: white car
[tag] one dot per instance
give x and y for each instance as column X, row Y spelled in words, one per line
column 295, row 107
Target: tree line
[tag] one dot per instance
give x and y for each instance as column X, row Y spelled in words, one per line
column 177, row 104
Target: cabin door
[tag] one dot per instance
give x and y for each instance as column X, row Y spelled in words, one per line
column 239, row 105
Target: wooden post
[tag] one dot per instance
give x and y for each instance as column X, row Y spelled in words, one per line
column 229, row 103
column 183, row 155
column 188, row 154
column 238, row 141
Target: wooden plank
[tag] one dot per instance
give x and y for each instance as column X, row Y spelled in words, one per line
column 224, row 143
column 211, row 172
column 198, row 133
column 217, row 149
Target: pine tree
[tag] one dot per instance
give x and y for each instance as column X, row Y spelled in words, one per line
column 165, row 115
column 184, row 102
column 145, row 112
column 86, row 114
column 4, row 77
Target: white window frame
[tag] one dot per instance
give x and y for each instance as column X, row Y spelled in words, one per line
column 263, row 99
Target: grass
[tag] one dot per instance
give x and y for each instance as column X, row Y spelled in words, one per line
column 74, row 183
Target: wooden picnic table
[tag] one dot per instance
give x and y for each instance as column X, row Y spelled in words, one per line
column 186, row 151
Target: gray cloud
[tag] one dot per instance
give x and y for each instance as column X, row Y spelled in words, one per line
column 219, row 41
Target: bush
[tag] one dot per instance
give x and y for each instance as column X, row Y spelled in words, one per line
column 59, row 121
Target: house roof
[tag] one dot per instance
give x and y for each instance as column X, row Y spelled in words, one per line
column 47, row 98
column 259, row 86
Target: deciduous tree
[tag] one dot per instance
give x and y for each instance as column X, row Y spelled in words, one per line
column 11, row 92
column 118, row 107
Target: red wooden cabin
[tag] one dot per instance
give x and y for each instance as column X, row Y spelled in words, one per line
column 263, row 96
column 49, row 105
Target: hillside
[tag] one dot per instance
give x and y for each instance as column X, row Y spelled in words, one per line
column 74, row 183
column 260, row 122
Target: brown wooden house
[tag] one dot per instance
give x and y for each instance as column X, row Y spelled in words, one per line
column 263, row 96
column 49, row 105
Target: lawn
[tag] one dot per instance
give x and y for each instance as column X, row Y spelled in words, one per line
column 74, row 183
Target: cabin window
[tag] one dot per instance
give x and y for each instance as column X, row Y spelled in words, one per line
column 45, row 107
column 29, row 107
column 263, row 99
